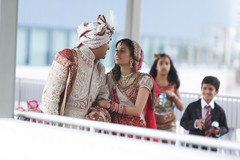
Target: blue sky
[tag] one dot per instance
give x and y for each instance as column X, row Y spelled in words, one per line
column 184, row 17
column 173, row 18
column 68, row 13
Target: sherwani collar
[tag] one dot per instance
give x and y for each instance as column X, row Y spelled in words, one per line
column 87, row 52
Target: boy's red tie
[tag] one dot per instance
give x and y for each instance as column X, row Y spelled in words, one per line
column 208, row 121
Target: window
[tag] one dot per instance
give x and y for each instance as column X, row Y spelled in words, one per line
column 44, row 31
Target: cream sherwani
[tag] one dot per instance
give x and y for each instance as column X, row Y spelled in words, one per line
column 89, row 85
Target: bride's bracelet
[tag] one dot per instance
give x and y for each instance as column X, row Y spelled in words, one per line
column 117, row 108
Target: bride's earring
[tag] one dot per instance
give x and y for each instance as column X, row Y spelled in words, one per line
column 131, row 63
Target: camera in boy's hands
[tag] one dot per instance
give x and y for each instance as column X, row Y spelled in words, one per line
column 215, row 128
column 215, row 124
column 162, row 99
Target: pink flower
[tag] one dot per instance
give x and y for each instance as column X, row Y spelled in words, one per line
column 32, row 104
column 35, row 110
column 20, row 109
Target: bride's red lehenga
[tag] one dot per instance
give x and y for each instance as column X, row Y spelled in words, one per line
column 127, row 96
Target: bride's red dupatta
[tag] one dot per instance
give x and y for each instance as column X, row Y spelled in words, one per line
column 149, row 107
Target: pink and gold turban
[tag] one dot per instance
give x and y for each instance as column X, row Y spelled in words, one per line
column 95, row 34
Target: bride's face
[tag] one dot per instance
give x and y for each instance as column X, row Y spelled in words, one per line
column 122, row 55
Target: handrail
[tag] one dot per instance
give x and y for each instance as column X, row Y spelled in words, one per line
column 230, row 104
column 29, row 89
column 153, row 136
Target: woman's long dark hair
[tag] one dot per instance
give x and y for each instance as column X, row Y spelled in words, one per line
column 116, row 69
column 172, row 74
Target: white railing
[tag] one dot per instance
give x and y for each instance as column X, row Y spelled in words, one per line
column 219, row 147
column 29, row 89
column 230, row 104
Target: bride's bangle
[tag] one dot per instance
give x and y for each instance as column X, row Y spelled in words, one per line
column 117, row 108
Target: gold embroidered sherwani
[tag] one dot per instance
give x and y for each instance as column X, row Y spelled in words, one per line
column 89, row 84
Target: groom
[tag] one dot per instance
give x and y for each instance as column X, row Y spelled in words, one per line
column 77, row 77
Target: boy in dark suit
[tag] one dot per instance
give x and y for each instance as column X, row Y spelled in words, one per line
column 199, row 115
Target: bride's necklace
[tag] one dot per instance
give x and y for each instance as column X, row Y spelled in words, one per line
column 126, row 78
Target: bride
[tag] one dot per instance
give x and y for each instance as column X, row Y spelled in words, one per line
column 131, row 92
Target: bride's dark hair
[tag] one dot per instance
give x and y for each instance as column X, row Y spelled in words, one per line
column 116, row 69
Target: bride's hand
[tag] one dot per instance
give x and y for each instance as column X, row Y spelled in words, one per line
column 104, row 104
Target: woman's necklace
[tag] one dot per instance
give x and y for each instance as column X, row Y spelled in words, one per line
column 126, row 78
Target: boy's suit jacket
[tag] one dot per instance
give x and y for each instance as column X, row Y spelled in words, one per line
column 194, row 111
